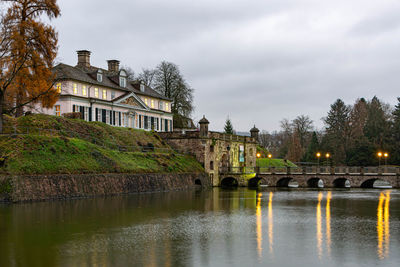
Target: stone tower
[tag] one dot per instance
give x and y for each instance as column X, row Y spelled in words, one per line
column 254, row 133
column 204, row 127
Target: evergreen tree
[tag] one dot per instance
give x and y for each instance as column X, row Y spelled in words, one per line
column 228, row 129
column 337, row 130
column 395, row 134
column 376, row 127
column 312, row 149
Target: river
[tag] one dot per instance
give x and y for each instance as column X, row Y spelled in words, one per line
column 242, row 227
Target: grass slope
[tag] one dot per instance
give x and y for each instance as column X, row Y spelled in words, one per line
column 75, row 149
column 266, row 162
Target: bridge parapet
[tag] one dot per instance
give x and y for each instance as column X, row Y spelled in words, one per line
column 325, row 170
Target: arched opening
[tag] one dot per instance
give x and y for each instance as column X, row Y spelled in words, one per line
column 229, row 182
column 315, row 183
column 287, row 182
column 376, row 183
column 341, row 183
column 254, row 182
column 197, row 182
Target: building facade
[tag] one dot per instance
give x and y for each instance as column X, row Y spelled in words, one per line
column 217, row 152
column 107, row 95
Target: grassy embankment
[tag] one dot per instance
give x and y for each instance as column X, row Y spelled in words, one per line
column 75, row 146
column 264, row 161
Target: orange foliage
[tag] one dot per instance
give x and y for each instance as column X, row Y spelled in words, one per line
column 32, row 48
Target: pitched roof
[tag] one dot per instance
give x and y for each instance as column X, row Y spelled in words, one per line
column 110, row 79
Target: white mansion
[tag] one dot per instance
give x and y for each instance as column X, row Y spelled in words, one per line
column 108, row 96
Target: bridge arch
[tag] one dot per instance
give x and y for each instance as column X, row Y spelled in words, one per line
column 287, row 182
column 342, row 183
column 229, row 182
column 376, row 183
column 315, row 182
column 254, row 182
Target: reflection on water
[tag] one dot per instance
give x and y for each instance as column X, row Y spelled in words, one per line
column 270, row 224
column 259, row 225
column 328, row 222
column 207, row 228
column 382, row 226
column 319, row 226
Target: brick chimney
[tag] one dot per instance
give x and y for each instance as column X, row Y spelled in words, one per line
column 113, row 65
column 83, row 58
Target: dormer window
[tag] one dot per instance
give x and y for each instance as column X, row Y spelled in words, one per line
column 142, row 87
column 122, row 81
column 161, row 106
column 100, row 76
column 122, row 78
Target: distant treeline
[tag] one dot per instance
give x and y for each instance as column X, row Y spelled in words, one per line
column 353, row 135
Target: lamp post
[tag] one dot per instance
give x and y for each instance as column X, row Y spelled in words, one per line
column 258, row 155
column 386, row 155
column 269, row 160
column 379, row 157
column 327, row 156
column 318, row 156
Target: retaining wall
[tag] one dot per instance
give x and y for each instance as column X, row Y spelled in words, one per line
column 65, row 186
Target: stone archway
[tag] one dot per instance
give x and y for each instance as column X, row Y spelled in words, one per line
column 287, row 182
column 229, row 182
column 315, row 182
column 376, row 183
column 341, row 183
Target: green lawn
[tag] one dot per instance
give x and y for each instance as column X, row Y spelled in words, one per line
column 266, row 162
column 76, row 147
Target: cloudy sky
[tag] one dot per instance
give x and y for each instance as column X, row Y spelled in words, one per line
column 258, row 61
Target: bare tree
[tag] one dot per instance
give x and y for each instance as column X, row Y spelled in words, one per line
column 147, row 77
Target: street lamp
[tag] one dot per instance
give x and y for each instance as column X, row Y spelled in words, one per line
column 379, row 156
column 327, row 156
column 269, row 159
column 318, row 156
column 258, row 155
column 386, row 155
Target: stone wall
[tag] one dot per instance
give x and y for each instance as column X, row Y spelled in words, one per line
column 65, row 186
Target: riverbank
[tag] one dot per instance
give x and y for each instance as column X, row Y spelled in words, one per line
column 47, row 157
column 66, row 186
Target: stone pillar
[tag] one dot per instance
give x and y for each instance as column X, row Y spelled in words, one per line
column 204, row 127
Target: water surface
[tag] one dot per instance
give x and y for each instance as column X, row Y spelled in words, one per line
column 268, row 227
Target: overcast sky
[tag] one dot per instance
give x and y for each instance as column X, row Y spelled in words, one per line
column 258, row 61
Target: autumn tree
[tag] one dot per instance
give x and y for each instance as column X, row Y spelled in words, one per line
column 28, row 48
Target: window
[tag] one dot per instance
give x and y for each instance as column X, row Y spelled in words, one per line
column 96, row 92
column 104, row 94
column 166, row 106
column 57, row 110
column 112, row 94
column 211, row 148
column 160, row 104
column 145, row 101
column 122, row 81
column 211, row 165
column 75, row 86
column 84, row 90
column 58, row 87
column 99, row 76
column 152, row 103
column 142, row 87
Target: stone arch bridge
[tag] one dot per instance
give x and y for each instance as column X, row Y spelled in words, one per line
column 329, row 177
